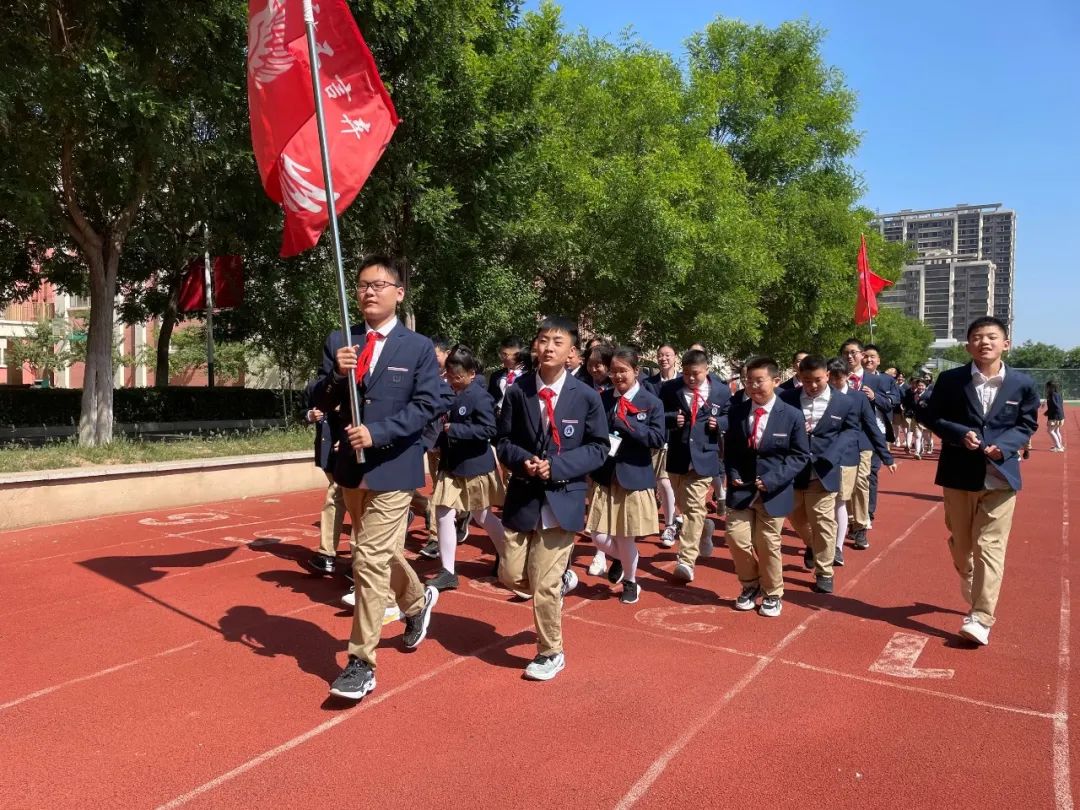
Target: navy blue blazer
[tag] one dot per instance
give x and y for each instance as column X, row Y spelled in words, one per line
column 398, row 397
column 826, row 441
column 697, row 448
column 862, row 431
column 886, row 395
column 1055, row 407
column 781, row 455
column 583, row 374
column 430, row 435
column 641, row 433
column 790, row 384
column 583, row 433
column 953, row 409
column 466, row 444
column 911, row 403
column 327, row 431
column 654, row 383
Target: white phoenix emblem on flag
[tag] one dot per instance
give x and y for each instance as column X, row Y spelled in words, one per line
column 297, row 192
column 268, row 57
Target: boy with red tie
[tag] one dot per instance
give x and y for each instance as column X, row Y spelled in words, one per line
column 397, row 377
column 552, row 433
column 985, row 413
column 695, row 409
column 765, row 447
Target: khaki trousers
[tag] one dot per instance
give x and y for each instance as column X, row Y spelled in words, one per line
column 754, row 539
column 814, row 520
column 860, row 498
column 534, row 562
column 379, row 565
column 979, row 524
column 691, row 491
column 331, row 518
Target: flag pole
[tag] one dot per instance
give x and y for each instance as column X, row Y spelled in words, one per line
column 208, row 295
column 328, row 182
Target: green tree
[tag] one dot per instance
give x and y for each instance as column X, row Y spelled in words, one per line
column 902, row 341
column 1030, row 354
column 189, row 355
column 46, row 348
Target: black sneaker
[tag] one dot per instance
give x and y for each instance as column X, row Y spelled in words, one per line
column 495, row 567
column 747, row 600
column 443, row 581
column 861, row 541
column 771, row 606
column 615, row 573
column 462, row 526
column 838, row 556
column 822, row 584
column 808, row 558
column 630, row 593
column 431, row 550
column 416, row 626
column 355, row 681
column 321, row 564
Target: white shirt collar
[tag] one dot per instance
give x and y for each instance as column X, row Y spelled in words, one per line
column 555, row 386
column 768, row 406
column 383, row 330
column 629, row 395
column 826, row 394
column 982, row 379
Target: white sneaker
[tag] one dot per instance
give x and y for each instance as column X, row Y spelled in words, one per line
column 569, row 582
column 349, row 599
column 392, row 614
column 598, row 565
column 706, row 548
column 545, row 667
column 667, row 537
column 683, row 573
column 974, row 630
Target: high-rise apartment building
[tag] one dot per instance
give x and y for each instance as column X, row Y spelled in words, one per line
column 974, row 244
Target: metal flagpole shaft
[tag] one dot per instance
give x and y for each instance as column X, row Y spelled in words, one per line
column 208, row 288
column 328, row 181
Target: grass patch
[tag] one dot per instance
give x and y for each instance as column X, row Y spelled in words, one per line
column 124, row 450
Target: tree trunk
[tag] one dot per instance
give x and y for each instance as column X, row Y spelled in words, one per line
column 96, row 419
column 168, row 321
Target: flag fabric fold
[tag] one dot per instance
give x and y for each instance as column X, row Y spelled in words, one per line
column 228, row 272
column 870, row 284
column 360, row 117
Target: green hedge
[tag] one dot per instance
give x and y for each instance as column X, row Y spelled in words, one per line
column 31, row 407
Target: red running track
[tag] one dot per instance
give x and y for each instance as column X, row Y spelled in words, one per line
column 181, row 658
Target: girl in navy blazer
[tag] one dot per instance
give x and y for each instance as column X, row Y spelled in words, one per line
column 467, row 480
column 1055, row 416
column 623, row 507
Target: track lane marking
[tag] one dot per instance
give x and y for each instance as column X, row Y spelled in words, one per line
column 1063, row 798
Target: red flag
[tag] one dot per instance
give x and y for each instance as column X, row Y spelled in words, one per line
column 228, row 284
column 870, row 284
column 360, row 117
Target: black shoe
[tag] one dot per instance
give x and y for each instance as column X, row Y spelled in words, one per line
column 838, row 556
column 808, row 558
column 443, row 581
column 615, row 573
column 1026, row 454
column 462, row 526
column 495, row 568
column 822, row 584
column 416, row 626
column 630, row 593
column 862, row 542
column 431, row 550
column 355, row 681
column 322, row 564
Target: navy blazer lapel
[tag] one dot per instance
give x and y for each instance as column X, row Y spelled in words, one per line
column 972, row 394
column 389, row 352
column 778, row 422
column 1007, row 390
column 532, row 402
column 830, row 410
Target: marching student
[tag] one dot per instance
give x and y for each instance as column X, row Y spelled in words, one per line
column 827, row 415
column 397, row 377
column 466, row 484
column 695, row 408
column 666, row 363
column 515, row 364
column 622, row 508
column 865, row 439
column 794, row 381
column 884, row 404
column 1055, row 416
column 597, row 363
column 575, row 364
column 914, row 399
column 552, row 433
column 899, row 420
column 429, row 440
column 985, row 412
column 874, row 389
column 765, row 447
column 332, row 517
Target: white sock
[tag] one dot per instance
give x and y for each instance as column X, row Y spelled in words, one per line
column 493, row 526
column 841, row 521
column 667, row 495
column 445, row 518
column 628, row 555
column 605, row 543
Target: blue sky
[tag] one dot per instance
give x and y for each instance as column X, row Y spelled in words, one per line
column 974, row 102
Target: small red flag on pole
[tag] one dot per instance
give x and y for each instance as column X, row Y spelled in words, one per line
column 870, row 284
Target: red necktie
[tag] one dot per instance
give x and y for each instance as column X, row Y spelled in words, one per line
column 363, row 362
column 854, row 381
column 694, row 405
column 623, row 408
column 510, row 377
column 547, row 395
column 753, row 440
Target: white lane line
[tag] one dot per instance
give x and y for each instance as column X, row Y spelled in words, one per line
column 660, row 764
column 100, row 673
column 1063, row 799
column 366, row 703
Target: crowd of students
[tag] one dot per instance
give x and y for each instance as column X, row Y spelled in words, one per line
column 565, row 440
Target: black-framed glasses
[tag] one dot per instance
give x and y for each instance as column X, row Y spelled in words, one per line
column 377, row 286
